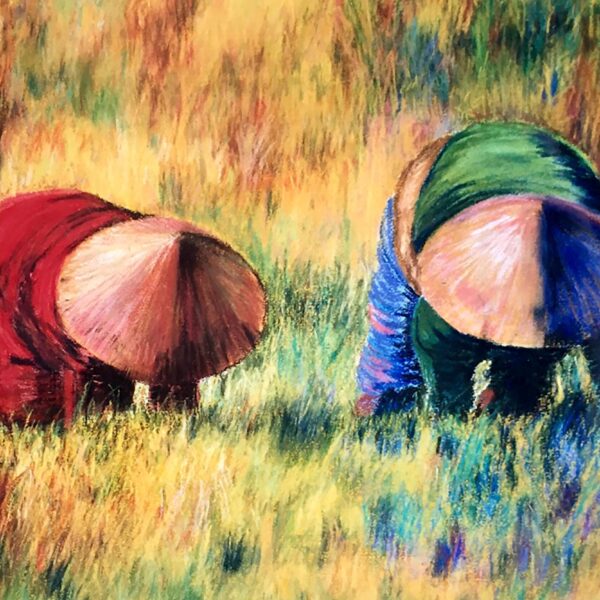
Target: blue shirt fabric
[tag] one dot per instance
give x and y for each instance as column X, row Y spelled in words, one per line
column 388, row 361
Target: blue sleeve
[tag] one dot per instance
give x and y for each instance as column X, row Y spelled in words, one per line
column 388, row 361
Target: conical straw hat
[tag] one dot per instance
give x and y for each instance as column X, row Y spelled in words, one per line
column 161, row 300
column 517, row 270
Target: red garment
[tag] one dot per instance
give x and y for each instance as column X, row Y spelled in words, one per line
column 41, row 369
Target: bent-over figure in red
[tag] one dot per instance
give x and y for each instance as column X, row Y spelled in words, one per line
column 94, row 297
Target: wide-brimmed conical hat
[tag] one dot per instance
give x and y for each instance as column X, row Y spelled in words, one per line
column 473, row 213
column 161, row 300
column 517, row 270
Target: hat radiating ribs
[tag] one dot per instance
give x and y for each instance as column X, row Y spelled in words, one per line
column 498, row 228
column 161, row 300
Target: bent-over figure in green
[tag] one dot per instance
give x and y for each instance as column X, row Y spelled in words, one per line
column 489, row 250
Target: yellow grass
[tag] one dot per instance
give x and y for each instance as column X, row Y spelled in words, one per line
column 238, row 112
column 260, row 120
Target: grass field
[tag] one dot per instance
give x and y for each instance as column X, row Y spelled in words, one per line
column 283, row 127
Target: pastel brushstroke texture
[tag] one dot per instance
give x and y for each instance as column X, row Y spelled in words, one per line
column 388, row 362
column 539, row 261
column 282, row 128
column 91, row 288
column 486, row 260
column 188, row 305
column 494, row 273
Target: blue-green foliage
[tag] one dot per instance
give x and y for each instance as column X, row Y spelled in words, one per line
column 547, row 465
column 536, row 36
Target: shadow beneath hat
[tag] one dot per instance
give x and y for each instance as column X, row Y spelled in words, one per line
column 517, row 382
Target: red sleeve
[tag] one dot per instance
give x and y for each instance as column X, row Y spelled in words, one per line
column 37, row 232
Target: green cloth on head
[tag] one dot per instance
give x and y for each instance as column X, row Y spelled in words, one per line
column 495, row 159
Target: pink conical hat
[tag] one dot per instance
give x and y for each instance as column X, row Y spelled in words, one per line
column 517, row 270
column 161, row 300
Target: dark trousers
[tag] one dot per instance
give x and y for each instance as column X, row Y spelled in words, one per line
column 519, row 377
